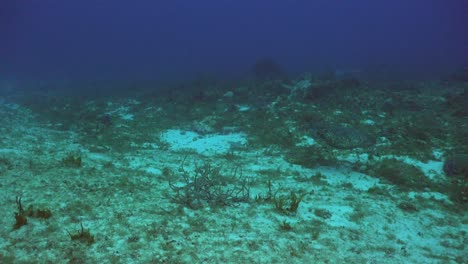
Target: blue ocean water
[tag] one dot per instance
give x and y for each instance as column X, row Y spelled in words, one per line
column 154, row 40
column 233, row 131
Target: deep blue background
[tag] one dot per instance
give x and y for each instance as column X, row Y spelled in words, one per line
column 179, row 39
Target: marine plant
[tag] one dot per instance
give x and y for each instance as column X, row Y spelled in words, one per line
column 285, row 226
column 207, row 186
column 83, row 236
column 287, row 205
column 43, row 213
column 267, row 197
column 22, row 215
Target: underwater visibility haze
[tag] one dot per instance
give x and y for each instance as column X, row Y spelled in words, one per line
column 233, row 131
column 182, row 39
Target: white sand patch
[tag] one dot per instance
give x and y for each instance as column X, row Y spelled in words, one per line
column 211, row 144
column 152, row 170
column 368, row 122
column 339, row 216
column 9, row 151
column 243, row 108
column 99, row 157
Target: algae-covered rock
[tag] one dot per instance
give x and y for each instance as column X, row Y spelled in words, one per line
column 342, row 137
column 401, row 174
column 457, row 166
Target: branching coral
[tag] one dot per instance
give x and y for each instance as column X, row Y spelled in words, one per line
column 206, row 186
